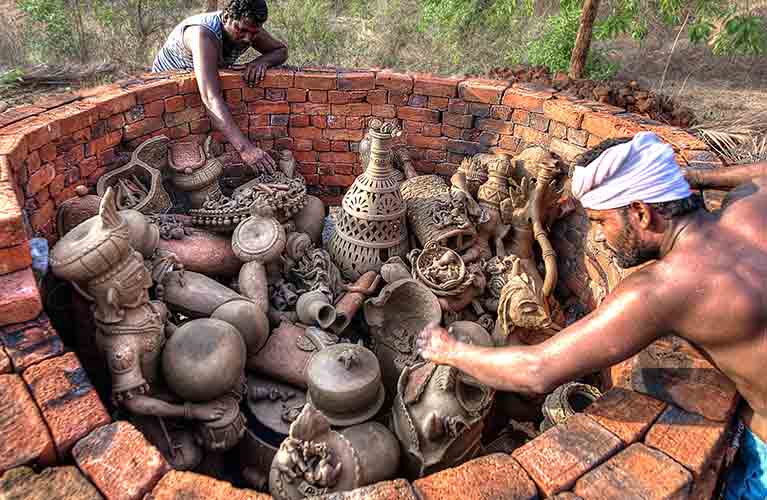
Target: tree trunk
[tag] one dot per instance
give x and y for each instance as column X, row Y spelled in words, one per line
column 211, row 5
column 583, row 40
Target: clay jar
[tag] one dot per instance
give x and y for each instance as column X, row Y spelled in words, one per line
column 287, row 352
column 193, row 171
column 345, row 384
column 204, row 252
column 76, row 210
column 348, row 306
column 311, row 219
column 396, row 317
column 144, row 236
column 337, row 461
column 314, row 308
column 203, row 360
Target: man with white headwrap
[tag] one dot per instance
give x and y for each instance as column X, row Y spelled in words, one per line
column 708, row 284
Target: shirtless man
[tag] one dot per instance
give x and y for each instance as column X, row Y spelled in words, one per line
column 709, row 286
column 205, row 42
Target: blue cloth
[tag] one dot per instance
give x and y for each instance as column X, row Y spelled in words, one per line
column 175, row 56
column 747, row 479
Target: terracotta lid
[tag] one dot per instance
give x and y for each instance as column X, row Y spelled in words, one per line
column 344, row 383
column 274, row 405
column 258, row 238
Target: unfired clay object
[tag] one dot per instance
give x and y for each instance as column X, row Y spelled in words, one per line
column 371, row 228
column 315, row 460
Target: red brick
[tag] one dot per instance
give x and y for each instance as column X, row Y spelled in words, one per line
column 119, row 460
column 25, row 437
column 297, row 95
column 439, row 143
column 302, row 144
column 434, row 85
column 456, row 120
column 48, row 152
column 394, row 81
column 321, row 145
column 339, row 146
column 527, row 97
column 177, row 485
column 176, row 103
column 625, row 413
column 432, row 129
column 154, row 91
column 186, row 116
column 278, row 78
column 608, row 125
column 498, row 126
column 360, row 80
column 496, row 476
column 338, row 97
column 40, row 179
column 315, row 81
column 565, row 150
column 501, row 112
column 397, row 98
column 200, row 126
column 538, row 122
column 691, row 440
column 42, row 216
column 276, row 94
column 283, row 143
column 451, row 132
column 337, row 180
column 30, row 342
column 11, row 222
column 308, row 108
column 384, row 110
column 333, row 157
column 438, row 103
column 69, row 403
column 458, row 106
column 305, row 156
column 559, row 456
column 398, row 489
column 532, row 136
column 5, row 363
column 355, row 109
column 637, row 473
column 319, row 121
column 577, row 137
column 377, row 97
column 53, row 483
column 269, row 107
column 356, row 122
column 143, row 127
column 305, row 132
column 318, row 96
column 263, row 132
column 482, row 90
column 343, row 135
column 678, row 138
column 299, row 120
column 673, row 371
column 565, row 111
column 193, row 100
column 418, row 114
column 464, row 147
column 445, row 169
column 419, row 101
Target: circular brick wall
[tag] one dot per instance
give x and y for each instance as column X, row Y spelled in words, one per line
column 48, row 408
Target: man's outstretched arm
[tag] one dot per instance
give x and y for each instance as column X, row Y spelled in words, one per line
column 630, row 319
column 273, row 53
column 205, row 57
column 727, row 177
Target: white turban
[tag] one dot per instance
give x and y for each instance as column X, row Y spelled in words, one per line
column 643, row 169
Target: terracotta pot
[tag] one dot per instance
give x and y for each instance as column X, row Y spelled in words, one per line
column 566, row 401
column 254, row 285
column 75, row 211
column 204, row 252
column 143, row 178
column 256, row 457
column 396, row 317
column 259, row 238
column 287, row 353
column 311, row 219
column 194, row 294
column 351, row 302
column 249, row 319
column 144, row 236
column 314, row 308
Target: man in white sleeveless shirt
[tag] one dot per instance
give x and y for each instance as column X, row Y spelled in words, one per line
column 206, row 42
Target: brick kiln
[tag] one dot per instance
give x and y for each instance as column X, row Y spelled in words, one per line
column 653, row 433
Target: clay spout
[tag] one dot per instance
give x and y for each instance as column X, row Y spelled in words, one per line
column 545, row 177
column 351, row 302
column 314, row 308
column 253, row 284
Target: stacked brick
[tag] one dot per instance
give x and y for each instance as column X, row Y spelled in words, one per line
column 50, row 412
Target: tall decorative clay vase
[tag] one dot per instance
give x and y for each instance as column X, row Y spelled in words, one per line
column 371, row 228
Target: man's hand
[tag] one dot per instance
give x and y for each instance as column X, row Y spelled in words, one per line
column 255, row 72
column 258, row 159
column 435, row 344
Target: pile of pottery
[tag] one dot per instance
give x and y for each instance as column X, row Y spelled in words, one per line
column 233, row 287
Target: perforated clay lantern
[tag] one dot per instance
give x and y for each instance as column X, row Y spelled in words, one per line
column 371, row 228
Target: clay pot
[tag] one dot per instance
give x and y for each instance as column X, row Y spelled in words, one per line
column 249, row 319
column 351, row 302
column 314, row 308
column 253, row 284
column 204, row 252
column 566, row 401
column 287, row 352
column 203, row 360
column 311, row 219
column 144, row 236
column 396, row 317
column 395, row 269
column 345, row 384
column 338, row 461
column 156, row 200
column 194, row 294
column 76, row 210
column 259, row 238
column 275, row 405
column 256, row 457
column 192, row 171
column 224, row 433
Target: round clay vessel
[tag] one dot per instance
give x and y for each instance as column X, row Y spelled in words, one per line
column 156, row 200
column 195, row 294
column 258, row 238
column 275, row 405
column 345, row 384
column 311, row 219
column 253, row 284
column 314, row 308
column 567, row 400
column 249, row 319
column 204, row 252
column 203, row 359
column 75, row 211
column 144, row 236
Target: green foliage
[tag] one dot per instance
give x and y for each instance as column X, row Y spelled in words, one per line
column 11, row 77
column 52, row 35
column 307, row 28
column 554, row 47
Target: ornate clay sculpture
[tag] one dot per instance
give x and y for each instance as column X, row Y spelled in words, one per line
column 274, row 405
column 345, row 384
column 438, row 414
column 566, row 401
column 76, row 210
column 437, row 214
column 195, row 168
column 472, row 173
column 395, row 317
column 315, row 460
column 259, row 239
column 371, row 228
column 399, row 155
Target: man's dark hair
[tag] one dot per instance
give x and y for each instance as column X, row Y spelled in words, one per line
column 255, row 10
column 666, row 209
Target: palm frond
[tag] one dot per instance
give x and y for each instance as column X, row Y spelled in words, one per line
column 739, row 140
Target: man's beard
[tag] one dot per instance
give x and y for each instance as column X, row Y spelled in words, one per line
column 628, row 251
